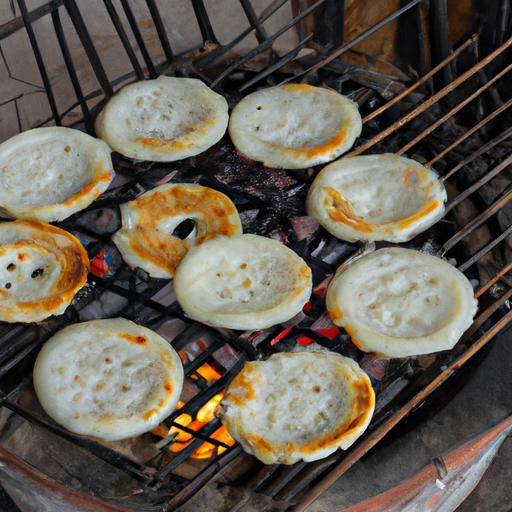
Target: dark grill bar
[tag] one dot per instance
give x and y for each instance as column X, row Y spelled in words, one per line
column 138, row 37
column 124, row 38
column 85, row 38
column 162, row 34
column 39, row 60
column 70, row 68
column 265, row 44
column 218, row 53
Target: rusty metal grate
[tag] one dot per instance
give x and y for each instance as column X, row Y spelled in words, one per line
column 271, row 203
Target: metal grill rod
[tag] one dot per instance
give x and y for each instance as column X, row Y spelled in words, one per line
column 138, row 37
column 204, row 476
column 39, row 60
column 12, row 340
column 205, row 25
column 104, row 453
column 266, row 44
column 479, row 183
column 486, row 314
column 18, row 23
column 486, row 147
column 484, row 250
column 278, row 64
column 453, row 111
column 477, row 221
column 340, row 51
column 205, row 431
column 210, row 58
column 195, row 403
column 504, row 271
column 198, row 434
column 250, row 13
column 68, row 60
column 430, row 101
column 90, row 50
column 470, row 132
column 393, row 101
column 160, row 29
column 116, row 21
column 19, row 356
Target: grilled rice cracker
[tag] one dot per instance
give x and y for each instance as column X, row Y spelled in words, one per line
column 50, row 173
column 298, row 406
column 163, row 120
column 400, row 302
column 110, row 379
column 243, row 282
column 41, row 269
column 145, row 239
column 376, row 197
column 294, row 126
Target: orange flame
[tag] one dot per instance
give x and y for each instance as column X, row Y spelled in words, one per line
column 203, row 417
column 207, row 450
column 208, row 372
column 207, row 412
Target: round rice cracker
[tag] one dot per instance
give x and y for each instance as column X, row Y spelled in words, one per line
column 145, row 240
column 163, row 120
column 294, row 126
column 244, row 282
column 399, row 302
column 298, row 406
column 42, row 267
column 376, row 197
column 111, row 379
column 51, row 173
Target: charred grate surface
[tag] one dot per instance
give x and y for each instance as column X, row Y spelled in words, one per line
column 430, row 123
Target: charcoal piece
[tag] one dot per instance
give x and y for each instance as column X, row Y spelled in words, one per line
column 492, row 190
column 107, row 305
column 374, row 366
column 248, row 217
column 101, row 221
column 304, row 227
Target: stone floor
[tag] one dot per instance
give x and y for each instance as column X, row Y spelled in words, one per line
column 485, row 397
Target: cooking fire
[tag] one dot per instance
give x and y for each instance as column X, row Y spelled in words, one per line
column 205, row 414
column 239, row 248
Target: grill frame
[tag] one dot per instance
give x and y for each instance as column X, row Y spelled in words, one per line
column 281, row 483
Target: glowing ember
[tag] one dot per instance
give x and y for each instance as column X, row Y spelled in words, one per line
column 304, row 340
column 208, row 372
column 281, row 335
column 207, row 450
column 207, row 412
column 181, row 435
column 203, row 417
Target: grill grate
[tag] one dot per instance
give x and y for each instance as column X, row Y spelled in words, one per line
column 467, row 164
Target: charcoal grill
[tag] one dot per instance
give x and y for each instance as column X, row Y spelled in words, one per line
column 453, row 117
